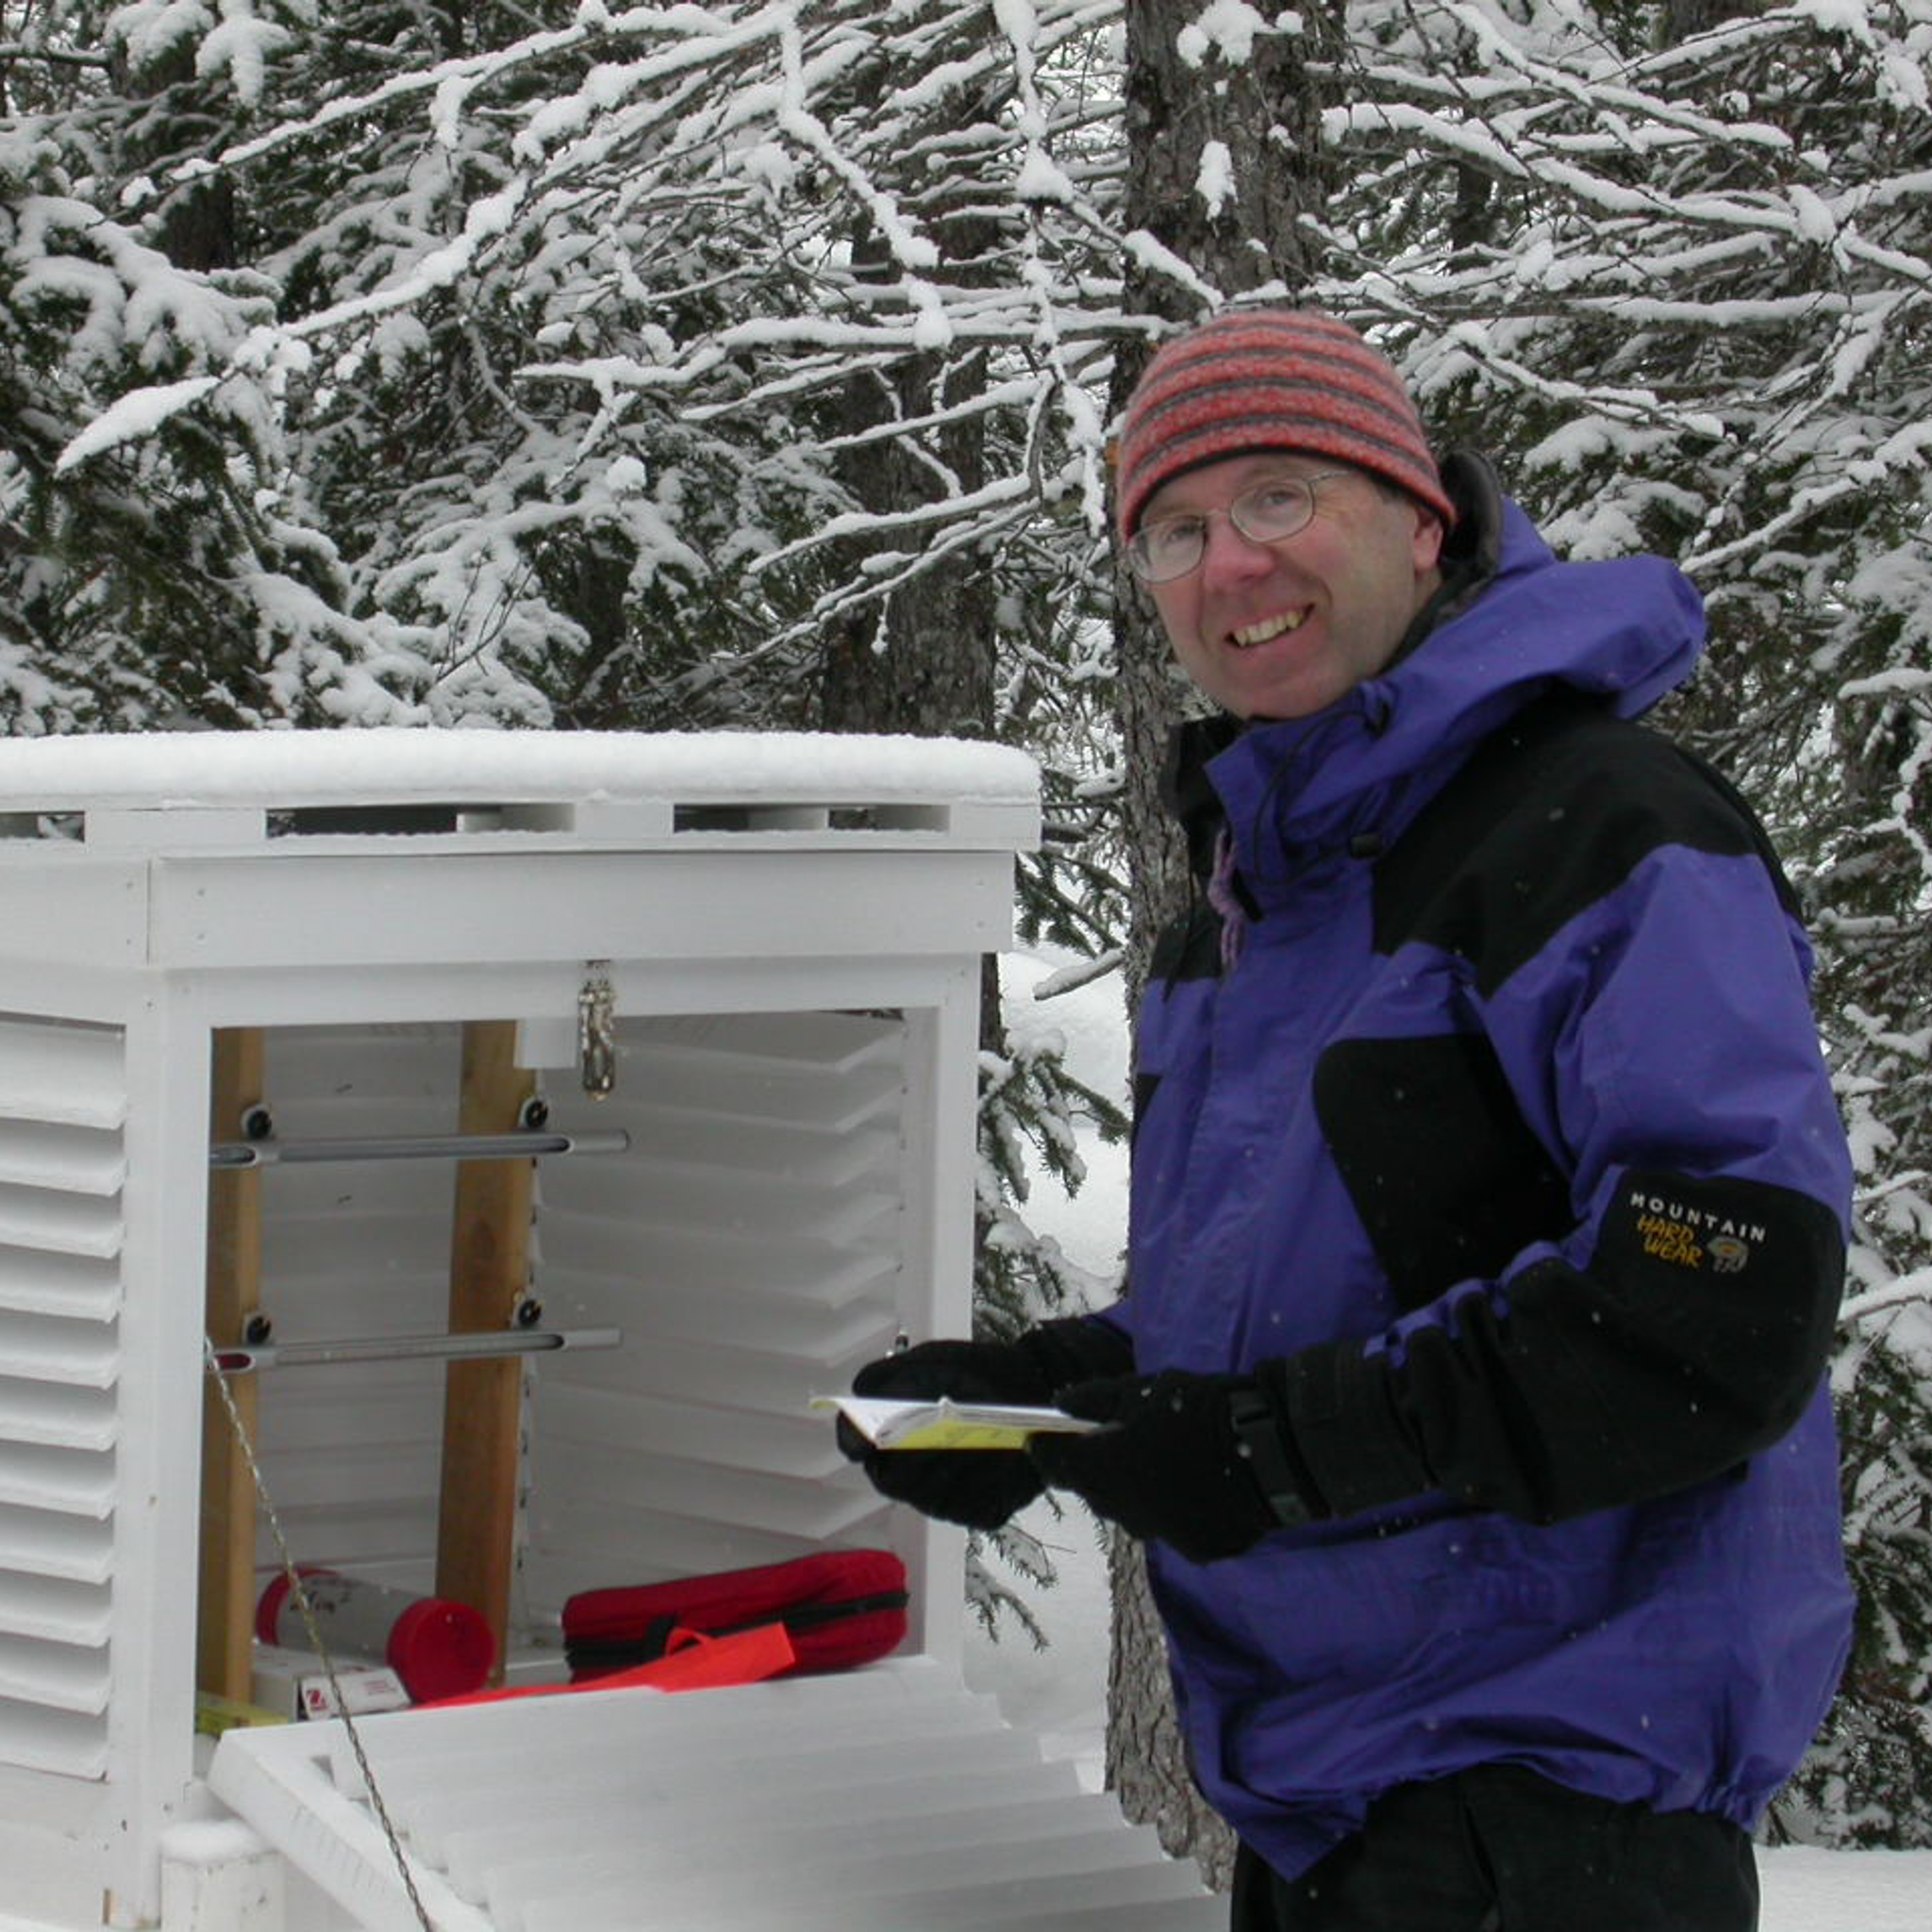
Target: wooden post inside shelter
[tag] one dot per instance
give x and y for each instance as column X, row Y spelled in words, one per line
column 226, row 1624
column 489, row 1274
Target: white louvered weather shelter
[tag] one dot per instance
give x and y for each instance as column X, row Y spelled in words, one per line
column 225, row 959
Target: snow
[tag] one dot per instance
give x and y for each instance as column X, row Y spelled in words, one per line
column 212, row 1841
column 1810, row 1891
column 1215, row 182
column 1090, row 1023
column 241, row 44
column 1816, row 222
column 1838, row 16
column 399, row 766
column 1041, row 179
column 1227, row 27
column 1062, row 1690
column 151, row 28
column 132, row 417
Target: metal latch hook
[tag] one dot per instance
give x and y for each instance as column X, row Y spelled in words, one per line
column 597, row 1032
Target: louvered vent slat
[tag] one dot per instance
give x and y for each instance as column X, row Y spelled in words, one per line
column 319, row 1089
column 43, row 1411
column 61, row 1224
column 611, row 1422
column 38, row 1737
column 889, row 1799
column 77, row 1160
column 633, row 1492
column 580, row 1854
column 62, row 1104
column 55, row 1675
column 352, row 1457
column 807, row 1151
column 805, row 1332
column 991, row 1884
column 717, row 1371
column 80, row 1286
column 899, row 1789
column 360, row 1250
column 652, row 1548
column 59, row 1075
column 710, row 1197
column 778, row 1737
column 35, row 1543
column 643, row 1255
column 60, row 1611
column 749, row 1245
column 342, row 1470
column 1129, row 1900
column 308, row 1407
column 40, row 1348
column 76, row 1483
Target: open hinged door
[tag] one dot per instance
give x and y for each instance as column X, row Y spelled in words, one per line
column 884, row 1800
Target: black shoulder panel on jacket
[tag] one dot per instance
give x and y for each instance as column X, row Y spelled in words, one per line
column 1550, row 814
column 1445, row 1175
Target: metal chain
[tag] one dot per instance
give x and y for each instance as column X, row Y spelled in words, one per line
column 312, row 1628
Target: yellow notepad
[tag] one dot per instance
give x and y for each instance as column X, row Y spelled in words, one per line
column 948, row 1425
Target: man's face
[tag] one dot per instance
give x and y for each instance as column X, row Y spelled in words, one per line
column 1281, row 629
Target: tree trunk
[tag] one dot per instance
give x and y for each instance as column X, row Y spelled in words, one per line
column 1265, row 113
column 922, row 661
column 199, row 222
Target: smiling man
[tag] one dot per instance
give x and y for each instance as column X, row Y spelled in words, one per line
column 1488, row 1201
column 1277, row 498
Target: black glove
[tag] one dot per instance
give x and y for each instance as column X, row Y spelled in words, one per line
column 980, row 1487
column 1203, row 1462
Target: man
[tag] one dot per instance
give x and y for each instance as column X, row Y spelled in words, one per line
column 1487, row 1206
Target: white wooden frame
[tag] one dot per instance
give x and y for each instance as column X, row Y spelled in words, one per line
column 170, row 923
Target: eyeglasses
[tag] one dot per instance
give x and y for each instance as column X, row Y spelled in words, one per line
column 1170, row 547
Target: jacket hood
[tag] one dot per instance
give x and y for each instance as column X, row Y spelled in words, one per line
column 1511, row 625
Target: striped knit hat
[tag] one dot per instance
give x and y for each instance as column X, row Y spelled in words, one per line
column 1271, row 378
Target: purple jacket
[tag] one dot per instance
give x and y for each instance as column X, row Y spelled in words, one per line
column 1508, row 1132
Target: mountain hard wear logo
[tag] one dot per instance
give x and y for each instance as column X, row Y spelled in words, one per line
column 1691, row 1236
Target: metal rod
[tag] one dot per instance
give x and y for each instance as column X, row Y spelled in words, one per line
column 245, row 1359
column 521, row 1145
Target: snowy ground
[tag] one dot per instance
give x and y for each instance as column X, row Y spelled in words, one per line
column 1063, row 1691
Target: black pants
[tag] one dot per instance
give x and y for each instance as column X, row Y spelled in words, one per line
column 1499, row 1849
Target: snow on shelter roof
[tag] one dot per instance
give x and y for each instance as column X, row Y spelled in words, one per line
column 282, row 770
